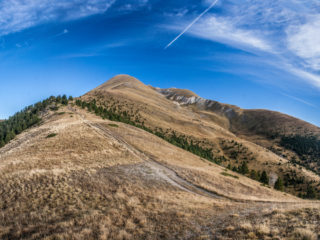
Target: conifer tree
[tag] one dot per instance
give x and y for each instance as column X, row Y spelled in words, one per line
column 253, row 175
column 279, row 184
column 244, row 168
column 311, row 193
column 264, row 178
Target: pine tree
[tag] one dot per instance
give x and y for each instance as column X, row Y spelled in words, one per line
column 311, row 193
column 64, row 100
column 253, row 175
column 10, row 136
column 264, row 178
column 279, row 184
column 2, row 143
column 244, row 168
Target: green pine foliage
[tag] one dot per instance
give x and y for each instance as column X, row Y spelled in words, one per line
column 27, row 118
column 264, row 178
column 243, row 169
column 311, row 193
column 302, row 145
column 254, row 175
column 307, row 148
column 279, row 184
column 51, row 135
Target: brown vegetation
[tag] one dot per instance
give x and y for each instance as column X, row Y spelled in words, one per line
column 98, row 179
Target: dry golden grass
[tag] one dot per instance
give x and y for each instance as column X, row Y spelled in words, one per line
column 273, row 224
column 58, row 190
column 202, row 124
column 96, row 181
column 194, row 169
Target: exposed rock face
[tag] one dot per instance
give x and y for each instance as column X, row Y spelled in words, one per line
column 244, row 120
column 185, row 97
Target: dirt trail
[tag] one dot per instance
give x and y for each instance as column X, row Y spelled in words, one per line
column 160, row 169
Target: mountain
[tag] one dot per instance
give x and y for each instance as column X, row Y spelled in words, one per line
column 296, row 140
column 260, row 138
column 130, row 161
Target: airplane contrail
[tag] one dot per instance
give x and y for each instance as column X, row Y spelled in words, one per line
column 193, row 22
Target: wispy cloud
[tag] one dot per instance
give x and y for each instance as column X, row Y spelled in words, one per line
column 304, row 41
column 17, row 15
column 192, row 23
column 79, row 55
column 65, row 31
column 131, row 5
column 97, row 51
column 286, row 32
column 299, row 100
column 224, row 30
column 309, row 77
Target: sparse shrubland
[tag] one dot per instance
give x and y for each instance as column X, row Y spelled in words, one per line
column 239, row 158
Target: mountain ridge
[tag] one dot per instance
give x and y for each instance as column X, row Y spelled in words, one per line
column 215, row 125
column 125, row 162
column 178, row 95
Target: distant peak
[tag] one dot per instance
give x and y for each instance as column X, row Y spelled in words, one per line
column 175, row 92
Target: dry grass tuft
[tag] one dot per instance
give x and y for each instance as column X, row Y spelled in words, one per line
column 304, row 234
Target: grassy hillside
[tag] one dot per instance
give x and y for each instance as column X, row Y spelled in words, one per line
column 191, row 127
column 86, row 182
column 124, row 162
column 288, row 137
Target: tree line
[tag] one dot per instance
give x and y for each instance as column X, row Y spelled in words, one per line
column 255, row 175
column 302, row 145
column 28, row 117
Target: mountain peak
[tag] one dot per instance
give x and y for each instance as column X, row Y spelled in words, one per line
column 121, row 80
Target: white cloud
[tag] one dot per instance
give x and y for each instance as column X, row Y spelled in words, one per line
column 224, row 30
column 79, row 55
column 300, row 100
column 284, row 33
column 16, row 15
column 312, row 78
column 65, row 31
column 131, row 5
column 304, row 41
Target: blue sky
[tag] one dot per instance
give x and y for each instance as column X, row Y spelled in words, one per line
column 251, row 53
